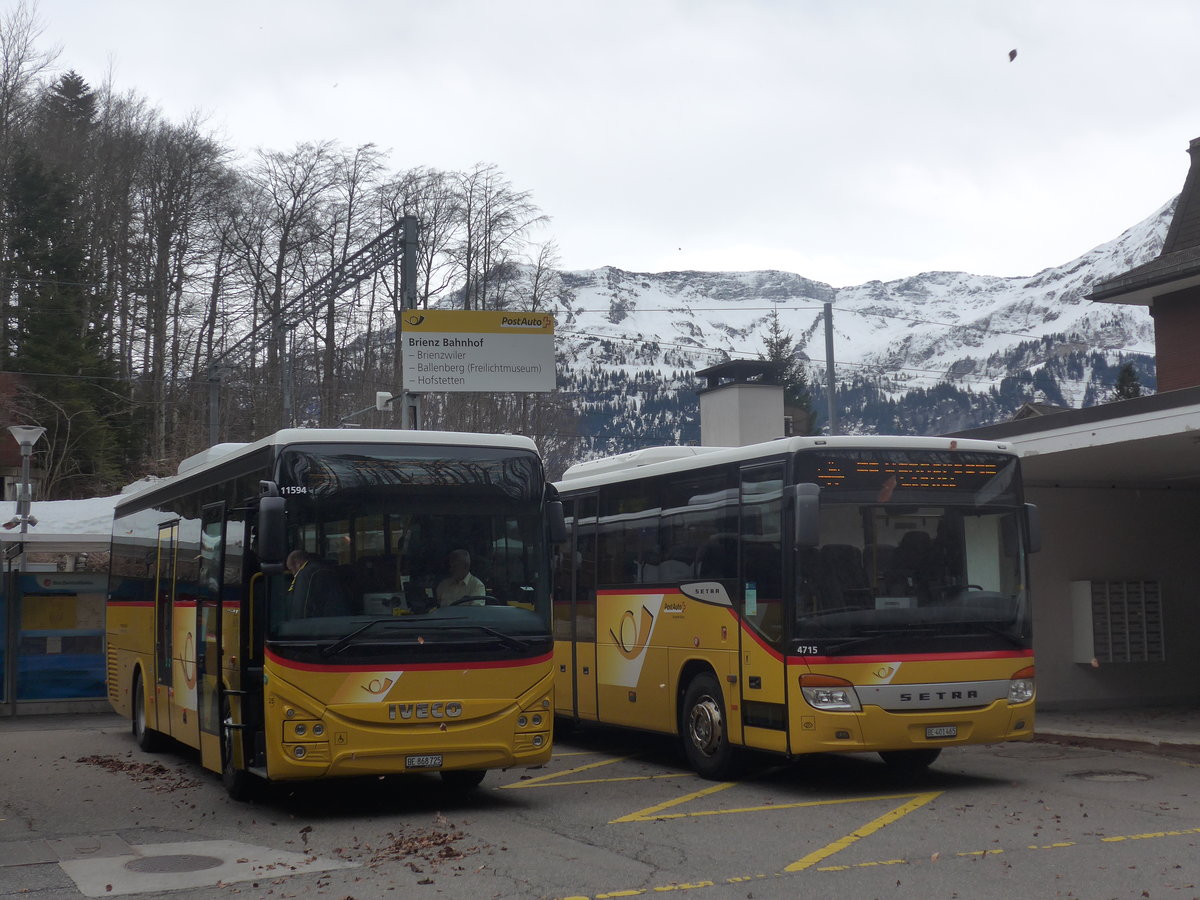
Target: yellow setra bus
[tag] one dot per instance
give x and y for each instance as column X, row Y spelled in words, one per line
column 806, row 595
column 288, row 608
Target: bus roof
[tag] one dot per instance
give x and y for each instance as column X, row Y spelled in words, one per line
column 222, row 454
column 661, row 460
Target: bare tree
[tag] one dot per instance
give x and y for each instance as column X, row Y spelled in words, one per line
column 178, row 188
column 290, row 192
column 495, row 220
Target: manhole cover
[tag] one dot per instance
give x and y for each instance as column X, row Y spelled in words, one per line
column 1111, row 776
column 179, row 862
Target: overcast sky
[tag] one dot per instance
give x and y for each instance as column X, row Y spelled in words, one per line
column 846, row 141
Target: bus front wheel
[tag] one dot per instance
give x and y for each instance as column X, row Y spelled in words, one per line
column 911, row 760
column 462, row 779
column 147, row 738
column 703, row 729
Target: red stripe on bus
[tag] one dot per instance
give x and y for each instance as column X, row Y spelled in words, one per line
column 409, row 667
column 226, row 604
column 910, row 657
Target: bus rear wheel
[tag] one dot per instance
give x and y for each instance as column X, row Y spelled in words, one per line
column 147, row 738
column 911, row 760
column 703, row 730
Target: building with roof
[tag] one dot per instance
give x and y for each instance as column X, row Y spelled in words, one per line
column 1118, row 486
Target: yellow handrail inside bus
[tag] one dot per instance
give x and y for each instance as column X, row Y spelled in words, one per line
column 250, row 598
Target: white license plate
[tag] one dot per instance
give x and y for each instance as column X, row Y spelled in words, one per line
column 423, row 762
column 941, row 731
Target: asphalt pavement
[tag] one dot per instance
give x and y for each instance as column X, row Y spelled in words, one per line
column 1162, row 729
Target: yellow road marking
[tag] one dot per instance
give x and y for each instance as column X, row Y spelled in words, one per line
column 870, row 828
column 652, row 812
column 550, row 784
column 656, row 812
column 919, row 800
column 1149, row 835
column 529, row 782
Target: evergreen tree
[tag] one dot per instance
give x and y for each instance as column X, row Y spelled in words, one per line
column 779, row 347
column 57, row 346
column 1128, row 385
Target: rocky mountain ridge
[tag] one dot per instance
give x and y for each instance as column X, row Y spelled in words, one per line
column 927, row 354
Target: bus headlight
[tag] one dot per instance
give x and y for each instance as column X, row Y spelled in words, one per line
column 829, row 693
column 1020, row 687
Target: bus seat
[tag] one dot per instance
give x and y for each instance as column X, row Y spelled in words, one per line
column 678, row 564
column 878, row 560
column 912, row 564
column 718, row 557
column 377, row 573
column 841, row 580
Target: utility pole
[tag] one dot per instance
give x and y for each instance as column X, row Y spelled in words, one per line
column 830, row 381
column 285, row 365
column 410, row 409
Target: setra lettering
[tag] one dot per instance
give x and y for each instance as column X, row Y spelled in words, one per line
column 939, row 695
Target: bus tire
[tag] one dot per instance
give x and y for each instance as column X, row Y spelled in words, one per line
column 463, row 779
column 911, row 760
column 238, row 782
column 148, row 739
column 703, row 729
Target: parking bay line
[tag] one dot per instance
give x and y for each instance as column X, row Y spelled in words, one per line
column 651, row 813
column 681, row 887
column 556, row 779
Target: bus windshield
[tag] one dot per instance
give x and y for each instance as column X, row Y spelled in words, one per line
column 898, row 578
column 411, row 552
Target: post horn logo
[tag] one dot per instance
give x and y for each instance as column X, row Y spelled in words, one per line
column 414, row 319
column 378, row 685
column 633, row 638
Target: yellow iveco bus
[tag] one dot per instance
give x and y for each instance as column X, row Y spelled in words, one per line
column 366, row 663
column 805, row 595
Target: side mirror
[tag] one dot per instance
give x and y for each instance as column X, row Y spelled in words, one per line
column 806, row 514
column 271, row 544
column 1033, row 528
column 556, row 522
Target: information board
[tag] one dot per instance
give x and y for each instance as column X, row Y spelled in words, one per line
column 457, row 350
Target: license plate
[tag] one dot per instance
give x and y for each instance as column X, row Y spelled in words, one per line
column 941, row 731
column 423, row 762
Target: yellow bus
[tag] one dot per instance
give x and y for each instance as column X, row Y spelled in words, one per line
column 805, row 595
column 366, row 663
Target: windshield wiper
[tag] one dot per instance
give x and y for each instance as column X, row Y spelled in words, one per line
column 513, row 643
column 448, row 624
column 344, row 641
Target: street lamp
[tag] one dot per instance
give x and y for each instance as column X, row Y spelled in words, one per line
column 26, row 436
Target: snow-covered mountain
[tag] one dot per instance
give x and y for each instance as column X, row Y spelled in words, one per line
column 932, row 353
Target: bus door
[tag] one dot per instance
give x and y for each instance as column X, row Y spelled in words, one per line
column 584, row 607
column 160, row 717
column 763, row 671
column 208, row 633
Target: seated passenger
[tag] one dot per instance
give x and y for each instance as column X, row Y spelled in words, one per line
column 315, row 589
column 460, row 582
